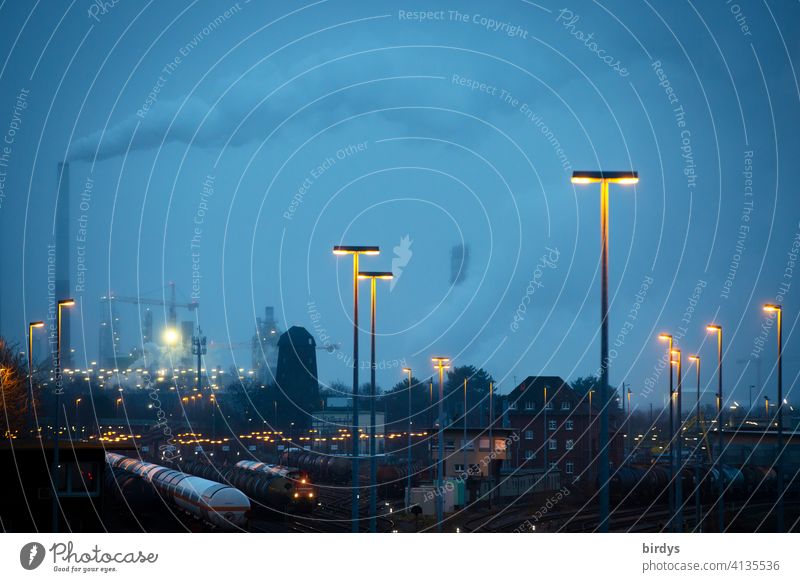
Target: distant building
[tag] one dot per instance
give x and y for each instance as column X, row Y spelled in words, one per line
column 265, row 347
column 459, row 260
column 296, row 377
column 332, row 426
column 562, row 433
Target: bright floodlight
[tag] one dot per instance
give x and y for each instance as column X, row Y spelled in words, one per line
column 375, row 275
column 351, row 249
column 589, row 177
column 407, row 370
column 37, row 324
column 664, row 337
column 694, row 358
column 772, row 307
column 171, row 336
column 66, row 302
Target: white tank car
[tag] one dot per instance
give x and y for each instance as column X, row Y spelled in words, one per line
column 218, row 504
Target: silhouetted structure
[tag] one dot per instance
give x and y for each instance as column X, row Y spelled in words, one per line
column 297, row 379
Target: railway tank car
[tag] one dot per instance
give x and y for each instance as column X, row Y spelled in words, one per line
column 280, row 488
column 338, row 470
column 220, row 505
column 646, row 483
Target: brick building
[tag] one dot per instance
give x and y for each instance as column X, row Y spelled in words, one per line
column 557, row 429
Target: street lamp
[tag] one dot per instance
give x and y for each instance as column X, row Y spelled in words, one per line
column 778, row 311
column 408, row 466
column 665, row 337
column 31, row 326
column 678, row 522
column 116, row 407
column 604, row 178
column 717, row 329
column 356, row 251
column 697, row 512
column 373, row 276
column 441, row 364
column 59, row 389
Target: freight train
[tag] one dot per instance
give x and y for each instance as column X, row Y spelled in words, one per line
column 212, row 502
column 339, row 469
column 633, row 485
column 284, row 489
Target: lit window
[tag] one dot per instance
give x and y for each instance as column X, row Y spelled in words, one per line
column 570, row 444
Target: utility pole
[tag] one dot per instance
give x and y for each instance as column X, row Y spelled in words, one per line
column 199, row 349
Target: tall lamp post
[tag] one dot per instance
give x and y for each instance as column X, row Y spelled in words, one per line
column 604, row 178
column 373, row 276
column 31, row 326
column 778, row 311
column 697, row 513
column 441, row 364
column 546, row 435
column 59, row 389
column 717, row 329
column 464, row 441
column 678, row 523
column 491, row 441
column 356, row 251
column 408, row 464
column 665, row 337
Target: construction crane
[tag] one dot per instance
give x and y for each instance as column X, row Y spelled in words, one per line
column 147, row 324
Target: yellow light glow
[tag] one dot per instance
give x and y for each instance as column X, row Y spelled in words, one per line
column 37, row 324
column 771, row 307
column 581, row 180
column 694, row 358
column 713, row 328
column 170, row 336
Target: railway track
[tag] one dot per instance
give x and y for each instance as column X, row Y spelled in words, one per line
column 634, row 520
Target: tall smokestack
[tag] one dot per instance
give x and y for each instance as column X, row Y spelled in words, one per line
column 63, row 254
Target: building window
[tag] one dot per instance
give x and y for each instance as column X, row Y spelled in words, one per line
column 449, row 445
column 530, row 455
column 570, row 467
column 552, row 424
column 528, row 435
column 568, row 425
column 566, row 405
column 484, row 444
column 554, row 465
column 553, row 444
column 570, row 444
column 468, row 445
column 458, row 467
column 529, row 405
column 512, row 406
column 549, row 405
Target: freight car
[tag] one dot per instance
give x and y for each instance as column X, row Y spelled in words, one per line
column 283, row 488
column 220, row 505
column 636, row 485
column 333, row 469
